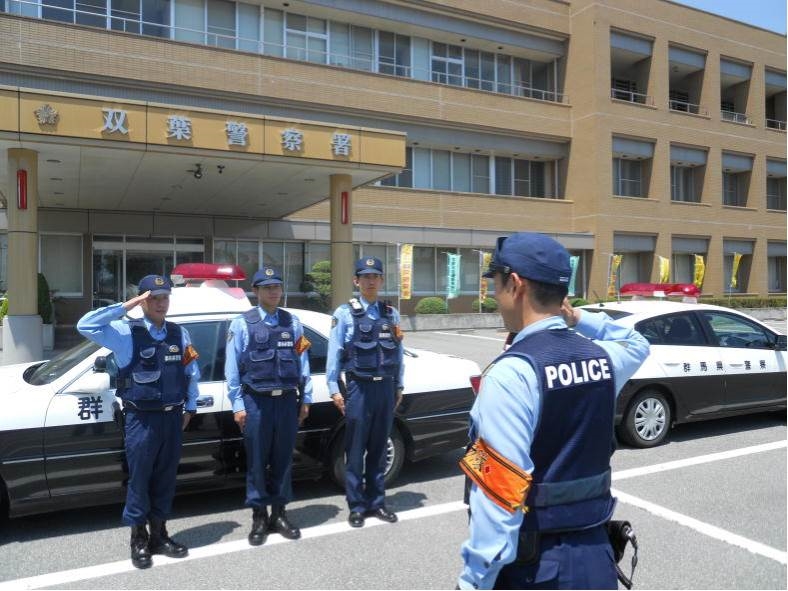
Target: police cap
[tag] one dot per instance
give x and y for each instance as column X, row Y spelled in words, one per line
column 369, row 265
column 533, row 256
column 267, row 276
column 156, row 284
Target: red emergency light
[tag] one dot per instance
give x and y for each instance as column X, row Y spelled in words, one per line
column 661, row 290
column 192, row 271
column 476, row 383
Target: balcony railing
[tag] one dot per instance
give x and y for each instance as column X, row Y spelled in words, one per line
column 775, row 124
column 631, row 97
column 131, row 22
column 686, row 107
column 735, row 117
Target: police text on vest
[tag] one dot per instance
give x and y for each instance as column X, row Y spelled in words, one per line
column 577, row 372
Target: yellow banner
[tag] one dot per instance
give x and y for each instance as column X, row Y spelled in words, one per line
column 405, row 271
column 735, row 270
column 664, row 270
column 485, row 263
column 615, row 263
column 700, row 271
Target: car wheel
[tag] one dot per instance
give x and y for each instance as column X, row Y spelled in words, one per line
column 395, row 457
column 647, row 420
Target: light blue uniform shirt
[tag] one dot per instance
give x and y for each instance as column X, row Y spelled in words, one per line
column 106, row 327
column 342, row 333
column 239, row 335
column 505, row 415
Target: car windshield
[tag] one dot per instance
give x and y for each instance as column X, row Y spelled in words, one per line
column 614, row 314
column 49, row 371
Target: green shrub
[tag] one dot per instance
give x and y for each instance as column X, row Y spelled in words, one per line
column 317, row 286
column 735, row 301
column 488, row 305
column 3, row 309
column 44, row 300
column 578, row 302
column 432, row 305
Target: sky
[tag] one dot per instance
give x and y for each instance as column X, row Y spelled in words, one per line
column 767, row 14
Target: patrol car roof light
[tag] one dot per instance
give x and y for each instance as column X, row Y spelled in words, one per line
column 689, row 292
column 192, row 273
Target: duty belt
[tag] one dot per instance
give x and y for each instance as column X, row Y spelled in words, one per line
column 358, row 378
column 128, row 404
column 267, row 393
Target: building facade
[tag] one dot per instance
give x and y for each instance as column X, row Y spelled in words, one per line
column 643, row 129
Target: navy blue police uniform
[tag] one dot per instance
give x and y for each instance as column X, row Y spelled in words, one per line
column 366, row 343
column 266, row 367
column 542, row 427
column 157, row 380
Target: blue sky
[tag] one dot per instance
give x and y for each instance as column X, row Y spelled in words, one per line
column 767, row 14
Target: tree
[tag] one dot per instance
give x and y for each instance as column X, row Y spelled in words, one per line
column 317, row 286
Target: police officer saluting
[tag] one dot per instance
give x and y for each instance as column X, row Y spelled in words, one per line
column 266, row 364
column 542, row 427
column 366, row 342
column 157, row 382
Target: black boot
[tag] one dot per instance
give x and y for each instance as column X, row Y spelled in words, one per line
column 259, row 526
column 140, row 554
column 280, row 524
column 161, row 543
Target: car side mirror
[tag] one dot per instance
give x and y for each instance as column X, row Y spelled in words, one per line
column 100, row 364
column 781, row 343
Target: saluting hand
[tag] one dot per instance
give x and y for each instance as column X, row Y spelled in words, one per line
column 570, row 314
column 240, row 419
column 136, row 301
column 339, row 402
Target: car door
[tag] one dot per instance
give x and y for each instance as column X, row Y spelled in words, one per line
column 692, row 369
column 83, row 440
column 754, row 370
column 201, row 461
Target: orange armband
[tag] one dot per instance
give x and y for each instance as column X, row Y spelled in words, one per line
column 504, row 483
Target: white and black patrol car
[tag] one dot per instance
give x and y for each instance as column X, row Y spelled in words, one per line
column 61, row 437
column 706, row 362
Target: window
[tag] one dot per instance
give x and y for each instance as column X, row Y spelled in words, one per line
column 682, row 184
column 318, row 351
column 125, row 15
column 221, row 23
column 447, row 64
column 733, row 192
column 679, row 100
column 775, row 193
column 742, row 273
column 503, row 176
column 627, row 177
column 734, row 331
column 441, row 170
column 306, row 38
column 683, row 268
column 424, row 269
column 626, row 90
column 352, row 46
column 404, row 178
column 479, row 70
column 156, row 18
column 190, row 21
column 393, row 54
column 481, row 173
column 676, row 329
column 60, row 258
column 776, row 267
column 210, row 340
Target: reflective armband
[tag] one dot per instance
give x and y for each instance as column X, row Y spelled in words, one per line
column 302, row 344
column 504, row 483
column 190, row 354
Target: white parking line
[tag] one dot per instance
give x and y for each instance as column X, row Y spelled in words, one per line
column 121, row 566
column 723, row 455
column 706, row 529
column 470, row 336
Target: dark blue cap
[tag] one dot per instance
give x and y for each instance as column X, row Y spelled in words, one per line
column 267, row 276
column 369, row 265
column 533, row 256
column 156, row 284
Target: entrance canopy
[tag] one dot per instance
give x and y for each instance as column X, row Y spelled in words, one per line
column 105, row 154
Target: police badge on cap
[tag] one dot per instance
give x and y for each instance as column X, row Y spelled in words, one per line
column 266, row 276
column 369, row 266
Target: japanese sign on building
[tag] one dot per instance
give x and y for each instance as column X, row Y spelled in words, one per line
column 115, row 121
column 340, row 144
column 237, row 133
column 292, row 140
column 179, row 127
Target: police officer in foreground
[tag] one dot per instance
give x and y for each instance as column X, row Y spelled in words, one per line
column 542, row 427
column 366, row 342
column 266, row 365
column 157, row 381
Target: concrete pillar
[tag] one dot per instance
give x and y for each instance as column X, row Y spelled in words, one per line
column 341, row 200
column 22, row 326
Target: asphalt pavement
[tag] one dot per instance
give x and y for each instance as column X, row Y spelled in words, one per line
column 709, row 509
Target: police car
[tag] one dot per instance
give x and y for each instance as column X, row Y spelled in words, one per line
column 706, row 362
column 61, row 437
